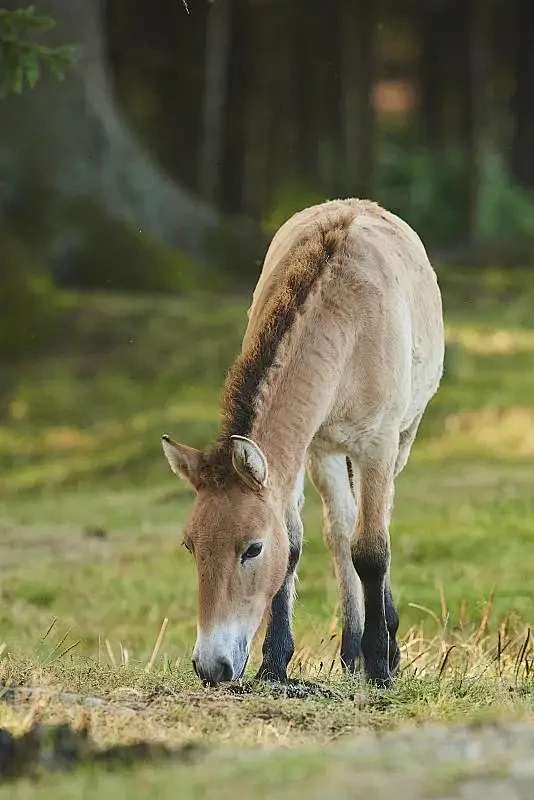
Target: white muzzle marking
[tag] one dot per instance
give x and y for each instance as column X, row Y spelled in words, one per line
column 221, row 654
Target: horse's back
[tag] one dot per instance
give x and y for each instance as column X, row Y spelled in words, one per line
column 383, row 277
column 307, row 224
column 389, row 258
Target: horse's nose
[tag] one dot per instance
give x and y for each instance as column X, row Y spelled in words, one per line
column 219, row 671
column 226, row 671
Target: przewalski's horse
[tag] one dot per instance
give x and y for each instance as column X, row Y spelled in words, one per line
column 343, row 351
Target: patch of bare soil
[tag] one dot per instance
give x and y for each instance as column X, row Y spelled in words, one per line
column 62, row 747
column 485, row 762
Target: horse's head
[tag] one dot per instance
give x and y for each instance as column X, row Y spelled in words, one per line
column 236, row 533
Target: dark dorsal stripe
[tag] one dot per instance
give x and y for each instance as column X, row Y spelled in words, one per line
column 306, row 263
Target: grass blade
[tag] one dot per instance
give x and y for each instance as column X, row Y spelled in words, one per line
column 157, row 646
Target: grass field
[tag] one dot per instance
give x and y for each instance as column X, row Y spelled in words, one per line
column 91, row 566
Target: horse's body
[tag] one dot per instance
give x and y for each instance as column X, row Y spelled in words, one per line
column 342, row 353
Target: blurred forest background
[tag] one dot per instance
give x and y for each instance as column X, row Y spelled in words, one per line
column 184, row 133
column 148, row 152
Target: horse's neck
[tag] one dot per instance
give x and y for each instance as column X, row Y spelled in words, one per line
column 294, row 402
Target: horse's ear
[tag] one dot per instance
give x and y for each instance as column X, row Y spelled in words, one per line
column 249, row 462
column 184, row 461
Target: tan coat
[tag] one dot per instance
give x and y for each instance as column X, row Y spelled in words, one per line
column 343, row 350
column 377, row 344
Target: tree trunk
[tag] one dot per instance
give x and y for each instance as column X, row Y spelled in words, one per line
column 303, row 21
column 432, row 22
column 332, row 122
column 457, row 55
column 215, row 96
column 469, row 61
column 358, row 78
column 477, row 19
column 231, row 190
column 522, row 160
column 261, row 90
column 71, row 140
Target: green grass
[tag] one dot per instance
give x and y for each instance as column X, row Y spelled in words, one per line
column 90, row 530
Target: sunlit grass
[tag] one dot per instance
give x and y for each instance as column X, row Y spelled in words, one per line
column 486, row 340
column 495, row 433
column 463, row 671
column 91, row 522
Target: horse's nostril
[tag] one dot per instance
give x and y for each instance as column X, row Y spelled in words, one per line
column 218, row 671
column 226, row 672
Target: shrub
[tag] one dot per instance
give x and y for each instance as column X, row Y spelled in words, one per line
column 104, row 252
column 21, row 60
column 28, row 302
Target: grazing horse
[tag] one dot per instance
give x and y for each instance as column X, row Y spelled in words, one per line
column 343, row 350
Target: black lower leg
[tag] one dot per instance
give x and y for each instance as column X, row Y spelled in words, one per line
column 372, row 569
column 352, row 632
column 351, row 637
column 351, row 644
column 392, row 621
column 278, row 646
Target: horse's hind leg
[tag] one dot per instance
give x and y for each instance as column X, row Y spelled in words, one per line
column 406, row 440
column 371, row 558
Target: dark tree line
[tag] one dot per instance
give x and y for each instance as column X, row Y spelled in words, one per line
column 261, row 92
column 182, row 120
column 177, row 131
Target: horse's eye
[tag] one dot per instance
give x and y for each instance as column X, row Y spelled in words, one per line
column 188, row 547
column 252, row 551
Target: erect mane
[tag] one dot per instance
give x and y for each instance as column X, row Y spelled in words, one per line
column 305, row 265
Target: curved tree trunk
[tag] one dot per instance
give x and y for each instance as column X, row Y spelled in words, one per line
column 70, row 138
column 522, row 161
